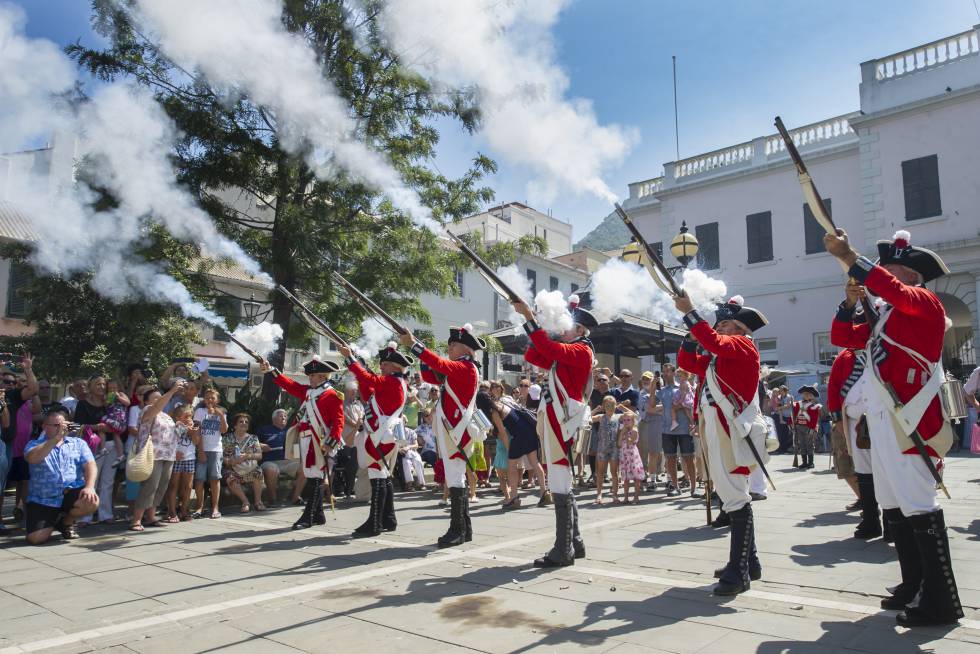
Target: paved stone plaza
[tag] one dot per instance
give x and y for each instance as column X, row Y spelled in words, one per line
column 248, row 583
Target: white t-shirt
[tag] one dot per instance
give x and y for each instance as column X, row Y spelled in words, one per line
column 134, row 416
column 210, row 429
column 185, row 445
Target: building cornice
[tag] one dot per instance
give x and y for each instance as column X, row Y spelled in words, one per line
column 953, row 97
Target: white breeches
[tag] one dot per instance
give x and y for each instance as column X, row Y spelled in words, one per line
column 731, row 488
column 306, row 444
column 413, row 466
column 855, row 406
column 455, row 470
column 559, row 476
column 757, row 482
column 902, row 481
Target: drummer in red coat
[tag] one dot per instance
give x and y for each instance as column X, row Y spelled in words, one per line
column 384, row 395
column 904, row 363
column 459, row 378
column 730, row 372
column 565, row 409
column 318, row 425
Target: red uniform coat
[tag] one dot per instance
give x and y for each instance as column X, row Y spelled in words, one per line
column 389, row 392
column 736, row 366
column 462, row 376
column 329, row 404
column 574, row 366
column 917, row 321
column 809, row 416
column 839, row 372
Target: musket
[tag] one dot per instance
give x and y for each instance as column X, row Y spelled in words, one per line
column 369, row 304
column 815, row 201
column 249, row 351
column 486, row 271
column 322, row 326
column 755, row 452
column 920, row 445
column 663, row 277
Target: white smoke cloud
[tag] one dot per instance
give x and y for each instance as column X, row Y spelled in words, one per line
column 620, row 287
column 520, row 284
column 374, row 336
column 551, row 311
column 505, row 52
column 262, row 338
column 125, row 138
column 242, row 47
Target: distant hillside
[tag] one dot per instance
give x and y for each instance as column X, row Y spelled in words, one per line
column 610, row 234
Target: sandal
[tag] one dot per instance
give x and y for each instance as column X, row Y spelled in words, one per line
column 598, row 500
column 616, row 500
column 196, row 515
column 246, row 508
column 172, row 519
column 69, row 532
column 136, row 528
column 260, row 506
column 187, row 518
column 158, row 523
column 215, row 515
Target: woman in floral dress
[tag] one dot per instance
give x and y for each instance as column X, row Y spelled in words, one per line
column 242, row 453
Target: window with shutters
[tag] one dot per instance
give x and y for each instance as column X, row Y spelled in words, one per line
column 21, row 275
column 824, row 351
column 812, row 230
column 532, row 276
column 708, row 251
column 229, row 308
column 920, row 178
column 758, row 234
column 552, row 283
column 768, row 351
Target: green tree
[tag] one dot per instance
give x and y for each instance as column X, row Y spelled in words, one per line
column 300, row 228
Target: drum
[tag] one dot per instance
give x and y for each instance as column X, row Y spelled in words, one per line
column 951, row 398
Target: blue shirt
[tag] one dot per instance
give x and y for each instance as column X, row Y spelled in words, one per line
column 629, row 394
column 60, row 470
column 276, row 440
column 666, row 397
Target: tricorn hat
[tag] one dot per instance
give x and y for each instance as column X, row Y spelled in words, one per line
column 390, row 353
column 316, row 364
column 581, row 316
column 812, row 390
column 734, row 309
column 899, row 251
column 465, row 336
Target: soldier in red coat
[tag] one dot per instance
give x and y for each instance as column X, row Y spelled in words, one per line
column 806, row 420
column 902, row 378
column 846, row 404
column 317, row 427
column 384, row 394
column 729, row 414
column 562, row 414
column 459, row 378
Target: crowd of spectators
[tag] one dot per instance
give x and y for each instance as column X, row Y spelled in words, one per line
column 65, row 461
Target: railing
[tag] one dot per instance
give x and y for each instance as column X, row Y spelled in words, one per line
column 731, row 156
column 649, row 187
column 926, row 56
column 825, row 130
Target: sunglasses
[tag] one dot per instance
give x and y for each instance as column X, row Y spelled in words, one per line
column 9, row 382
column 525, row 386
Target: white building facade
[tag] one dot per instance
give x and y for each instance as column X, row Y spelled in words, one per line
column 909, row 159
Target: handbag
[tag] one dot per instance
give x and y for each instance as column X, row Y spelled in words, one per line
column 139, row 465
column 975, row 439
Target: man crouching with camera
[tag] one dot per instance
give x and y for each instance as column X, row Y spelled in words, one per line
column 62, row 486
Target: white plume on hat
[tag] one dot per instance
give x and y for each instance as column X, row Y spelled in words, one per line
column 902, row 235
column 573, row 300
column 392, row 345
column 467, row 327
column 737, row 299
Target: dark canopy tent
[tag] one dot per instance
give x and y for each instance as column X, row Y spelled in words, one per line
column 628, row 336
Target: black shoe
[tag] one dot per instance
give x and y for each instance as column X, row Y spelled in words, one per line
column 545, row 562
column 372, row 526
column 742, row 555
column 755, row 572
column 306, row 519
column 909, row 561
column 854, row 506
column 563, row 551
column 937, row 602
column 758, row 497
column 317, row 517
column 457, row 527
column 723, row 520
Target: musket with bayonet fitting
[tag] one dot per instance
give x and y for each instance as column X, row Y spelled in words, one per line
column 815, row 201
column 369, row 304
column 663, row 277
column 320, row 324
column 486, row 271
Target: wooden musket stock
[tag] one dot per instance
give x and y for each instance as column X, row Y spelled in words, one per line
column 664, row 279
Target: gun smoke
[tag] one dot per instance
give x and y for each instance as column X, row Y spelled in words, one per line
column 263, row 339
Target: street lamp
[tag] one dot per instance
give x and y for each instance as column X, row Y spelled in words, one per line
column 251, row 309
column 684, row 248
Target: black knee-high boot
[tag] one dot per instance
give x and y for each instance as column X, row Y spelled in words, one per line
column 577, row 543
column 735, row 577
column 870, row 525
column 306, row 519
column 388, row 520
column 562, row 553
column 317, row 517
column 372, row 526
column 457, row 522
column 909, row 561
column 937, row 602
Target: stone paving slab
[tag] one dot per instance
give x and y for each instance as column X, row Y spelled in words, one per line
column 249, row 583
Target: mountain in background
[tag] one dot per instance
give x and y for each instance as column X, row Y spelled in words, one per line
column 610, row 234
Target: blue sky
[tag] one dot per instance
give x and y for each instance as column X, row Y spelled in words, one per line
column 738, row 65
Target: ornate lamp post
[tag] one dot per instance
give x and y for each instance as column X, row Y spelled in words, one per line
column 251, row 309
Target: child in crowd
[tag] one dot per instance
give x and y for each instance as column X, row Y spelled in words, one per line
column 683, row 399
column 630, row 464
column 116, row 418
column 182, row 479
